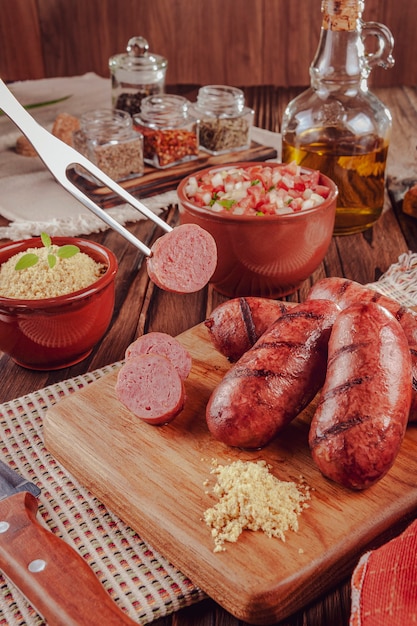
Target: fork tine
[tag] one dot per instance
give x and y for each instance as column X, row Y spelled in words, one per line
column 110, row 221
column 79, row 159
column 59, row 157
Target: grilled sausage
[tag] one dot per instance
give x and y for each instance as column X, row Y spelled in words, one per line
column 359, row 424
column 275, row 379
column 346, row 292
column 183, row 260
column 164, row 345
column 236, row 325
column 150, row 387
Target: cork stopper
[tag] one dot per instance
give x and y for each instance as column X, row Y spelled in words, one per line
column 342, row 14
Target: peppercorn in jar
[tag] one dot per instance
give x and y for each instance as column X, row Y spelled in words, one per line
column 136, row 74
column 169, row 129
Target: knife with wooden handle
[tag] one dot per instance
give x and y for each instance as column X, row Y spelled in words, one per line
column 54, row 578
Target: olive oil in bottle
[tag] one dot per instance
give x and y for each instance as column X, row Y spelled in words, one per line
column 337, row 125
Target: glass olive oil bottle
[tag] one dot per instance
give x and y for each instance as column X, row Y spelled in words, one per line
column 337, row 125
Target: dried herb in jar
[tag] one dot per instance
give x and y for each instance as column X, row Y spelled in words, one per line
column 223, row 133
column 225, row 121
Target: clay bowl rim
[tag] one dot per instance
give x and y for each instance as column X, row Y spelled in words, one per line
column 74, row 296
column 232, row 217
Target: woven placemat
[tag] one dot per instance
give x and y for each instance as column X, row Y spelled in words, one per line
column 138, row 578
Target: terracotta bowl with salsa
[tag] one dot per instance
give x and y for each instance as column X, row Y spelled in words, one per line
column 47, row 333
column 272, row 223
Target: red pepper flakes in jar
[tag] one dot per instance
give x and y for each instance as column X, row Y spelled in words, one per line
column 170, row 131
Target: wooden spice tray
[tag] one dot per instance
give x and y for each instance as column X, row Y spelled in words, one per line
column 154, row 181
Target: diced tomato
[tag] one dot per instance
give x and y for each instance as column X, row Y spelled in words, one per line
column 268, row 208
column 322, row 190
column 202, row 198
column 292, row 169
column 299, row 183
column 245, row 205
column 256, row 193
column 293, row 193
column 258, row 190
column 296, row 204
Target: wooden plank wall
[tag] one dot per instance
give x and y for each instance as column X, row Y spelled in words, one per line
column 236, row 42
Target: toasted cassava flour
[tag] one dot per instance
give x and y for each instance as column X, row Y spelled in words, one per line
column 41, row 281
column 251, row 498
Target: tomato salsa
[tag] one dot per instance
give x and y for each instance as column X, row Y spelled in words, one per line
column 257, row 190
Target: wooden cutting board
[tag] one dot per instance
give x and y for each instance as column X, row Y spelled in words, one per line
column 154, row 478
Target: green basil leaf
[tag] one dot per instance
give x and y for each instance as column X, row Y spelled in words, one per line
column 46, row 240
column 67, row 251
column 27, row 260
column 51, row 260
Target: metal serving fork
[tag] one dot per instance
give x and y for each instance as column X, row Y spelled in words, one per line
column 58, row 157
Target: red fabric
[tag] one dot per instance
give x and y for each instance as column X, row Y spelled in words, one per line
column 384, row 584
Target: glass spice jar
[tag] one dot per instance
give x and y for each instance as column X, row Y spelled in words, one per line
column 169, row 129
column 135, row 75
column 337, row 125
column 107, row 138
column 224, row 120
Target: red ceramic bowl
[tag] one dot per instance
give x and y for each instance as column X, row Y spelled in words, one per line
column 267, row 256
column 53, row 333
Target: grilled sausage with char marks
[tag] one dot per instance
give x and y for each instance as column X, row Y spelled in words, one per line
column 359, row 424
column 346, row 292
column 236, row 325
column 275, row 380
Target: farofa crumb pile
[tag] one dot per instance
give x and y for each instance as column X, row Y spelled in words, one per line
column 251, row 498
column 41, row 281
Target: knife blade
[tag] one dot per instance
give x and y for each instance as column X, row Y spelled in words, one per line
column 55, row 579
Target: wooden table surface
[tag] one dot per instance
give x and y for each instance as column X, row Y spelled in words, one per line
column 142, row 307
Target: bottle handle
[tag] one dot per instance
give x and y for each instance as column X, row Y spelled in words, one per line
column 383, row 54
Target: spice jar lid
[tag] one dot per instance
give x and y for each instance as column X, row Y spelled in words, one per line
column 165, row 110
column 145, row 66
column 221, row 99
column 107, row 124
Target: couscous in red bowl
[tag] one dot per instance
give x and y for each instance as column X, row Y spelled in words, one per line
column 55, row 332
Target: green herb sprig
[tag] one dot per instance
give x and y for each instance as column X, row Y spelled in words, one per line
column 37, row 105
column 64, row 252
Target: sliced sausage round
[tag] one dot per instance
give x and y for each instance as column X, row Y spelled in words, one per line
column 164, row 345
column 151, row 387
column 183, row 260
